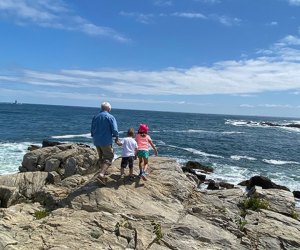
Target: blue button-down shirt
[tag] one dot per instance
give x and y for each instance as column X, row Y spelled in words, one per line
column 104, row 128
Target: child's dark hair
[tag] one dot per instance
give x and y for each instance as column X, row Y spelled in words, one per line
column 130, row 132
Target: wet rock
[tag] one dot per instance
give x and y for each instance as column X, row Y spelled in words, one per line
column 264, row 182
column 193, row 165
column 296, row 194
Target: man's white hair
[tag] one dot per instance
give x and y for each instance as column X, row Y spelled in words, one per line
column 105, row 106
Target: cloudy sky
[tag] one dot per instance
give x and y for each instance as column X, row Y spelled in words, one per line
column 206, row 56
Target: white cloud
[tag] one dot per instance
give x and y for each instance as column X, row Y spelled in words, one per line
column 225, row 20
column 247, row 106
column 163, row 3
column 294, row 2
column 189, row 15
column 275, row 106
column 139, row 17
column 228, row 77
column 273, row 23
column 53, row 14
column 289, row 40
column 148, row 18
column 209, row 1
column 278, row 70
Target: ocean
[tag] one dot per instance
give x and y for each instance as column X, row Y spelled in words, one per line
column 237, row 147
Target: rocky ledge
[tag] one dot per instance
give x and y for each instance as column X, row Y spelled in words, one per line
column 53, row 205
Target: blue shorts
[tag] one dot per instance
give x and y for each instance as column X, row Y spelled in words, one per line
column 143, row 153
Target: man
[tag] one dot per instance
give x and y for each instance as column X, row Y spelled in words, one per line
column 104, row 128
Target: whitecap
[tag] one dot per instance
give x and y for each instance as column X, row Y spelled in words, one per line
column 195, row 151
column 199, row 152
column 159, row 142
column 71, row 136
column 232, row 132
column 239, row 157
column 279, row 162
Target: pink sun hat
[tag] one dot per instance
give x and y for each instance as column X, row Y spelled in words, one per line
column 143, row 128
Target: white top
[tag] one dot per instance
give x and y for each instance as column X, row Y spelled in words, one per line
column 129, row 146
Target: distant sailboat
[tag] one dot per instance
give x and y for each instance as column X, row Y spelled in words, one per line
column 16, row 102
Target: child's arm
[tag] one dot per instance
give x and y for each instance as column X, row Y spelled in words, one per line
column 154, row 148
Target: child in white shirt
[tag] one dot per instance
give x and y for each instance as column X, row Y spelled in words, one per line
column 129, row 153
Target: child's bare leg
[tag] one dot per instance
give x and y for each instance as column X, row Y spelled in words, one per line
column 141, row 164
column 145, row 164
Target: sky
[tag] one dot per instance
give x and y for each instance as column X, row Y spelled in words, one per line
column 200, row 56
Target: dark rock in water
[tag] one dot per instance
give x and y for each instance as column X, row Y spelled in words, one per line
column 33, row 147
column 190, row 165
column 212, row 185
column 264, row 182
column 201, row 177
column 296, row 194
column 47, row 143
column 226, row 185
column 244, row 183
column 293, row 125
column 269, row 124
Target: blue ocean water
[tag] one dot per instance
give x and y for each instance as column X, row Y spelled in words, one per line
column 238, row 147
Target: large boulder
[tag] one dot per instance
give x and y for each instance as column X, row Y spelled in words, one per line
column 270, row 230
column 16, row 188
column 65, row 159
column 278, row 200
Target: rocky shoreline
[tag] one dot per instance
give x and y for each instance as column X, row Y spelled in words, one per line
column 51, row 204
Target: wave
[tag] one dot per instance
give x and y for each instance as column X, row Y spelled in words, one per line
column 11, row 156
column 160, row 142
column 239, row 157
column 232, row 132
column 231, row 173
column 71, row 136
column 279, row 162
column 196, row 152
column 190, row 131
column 293, row 126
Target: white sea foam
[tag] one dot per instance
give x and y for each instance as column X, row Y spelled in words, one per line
column 196, row 152
column 71, row 136
column 291, row 130
column 199, row 152
column 188, row 131
column 197, row 131
column 11, row 156
column 279, row 162
column 230, row 173
column 231, row 132
column 281, row 125
column 160, row 142
column 242, row 123
column 239, row 157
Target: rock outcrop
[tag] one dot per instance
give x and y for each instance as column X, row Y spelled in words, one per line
column 51, row 210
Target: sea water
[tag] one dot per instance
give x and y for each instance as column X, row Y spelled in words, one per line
column 237, row 147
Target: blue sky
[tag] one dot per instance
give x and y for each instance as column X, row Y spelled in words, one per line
column 206, row 56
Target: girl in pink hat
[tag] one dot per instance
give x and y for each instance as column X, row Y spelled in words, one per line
column 143, row 140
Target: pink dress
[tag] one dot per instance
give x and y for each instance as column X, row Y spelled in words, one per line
column 143, row 142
